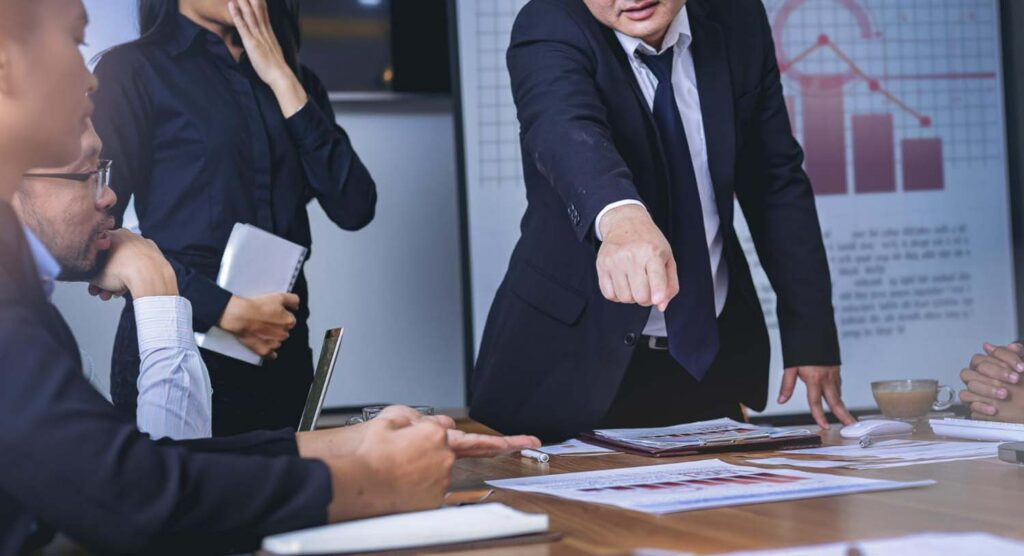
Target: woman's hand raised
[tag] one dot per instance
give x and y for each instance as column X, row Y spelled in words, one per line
column 253, row 24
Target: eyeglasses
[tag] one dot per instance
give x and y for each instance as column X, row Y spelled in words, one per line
column 98, row 178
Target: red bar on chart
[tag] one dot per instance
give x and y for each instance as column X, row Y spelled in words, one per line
column 874, row 153
column 824, row 133
column 922, row 165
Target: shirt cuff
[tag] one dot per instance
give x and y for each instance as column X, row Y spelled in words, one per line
column 163, row 321
column 309, row 127
column 600, row 215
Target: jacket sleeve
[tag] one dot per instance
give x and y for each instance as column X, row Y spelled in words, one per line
column 778, row 203
column 123, row 119
column 68, row 458
column 336, row 176
column 562, row 118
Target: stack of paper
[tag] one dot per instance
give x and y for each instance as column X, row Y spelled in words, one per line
column 889, row 453
column 694, row 485
column 698, row 437
column 932, row 544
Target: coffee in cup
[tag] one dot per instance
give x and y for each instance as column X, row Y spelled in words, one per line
column 911, row 399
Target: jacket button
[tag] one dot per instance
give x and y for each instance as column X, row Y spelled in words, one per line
column 630, row 339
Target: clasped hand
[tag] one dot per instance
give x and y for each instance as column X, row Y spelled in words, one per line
column 993, row 384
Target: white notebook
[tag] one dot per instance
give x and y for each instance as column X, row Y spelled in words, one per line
column 413, row 530
column 256, row 262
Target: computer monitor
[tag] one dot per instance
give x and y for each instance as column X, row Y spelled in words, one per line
column 321, row 379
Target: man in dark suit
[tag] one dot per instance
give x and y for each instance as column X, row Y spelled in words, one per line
column 640, row 120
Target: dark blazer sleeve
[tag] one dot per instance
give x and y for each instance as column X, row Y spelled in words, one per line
column 562, row 118
column 123, row 121
column 778, row 203
column 337, row 177
column 75, row 464
column 257, row 443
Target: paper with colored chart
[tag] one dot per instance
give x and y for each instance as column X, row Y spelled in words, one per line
column 694, row 485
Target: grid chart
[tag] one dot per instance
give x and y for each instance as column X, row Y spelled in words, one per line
column 500, row 159
column 887, row 96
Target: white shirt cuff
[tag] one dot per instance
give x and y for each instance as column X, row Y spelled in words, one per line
column 600, row 215
column 164, row 321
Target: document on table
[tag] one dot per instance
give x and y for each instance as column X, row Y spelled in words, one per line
column 694, row 485
column 886, row 454
column 932, row 544
column 574, row 448
column 696, row 434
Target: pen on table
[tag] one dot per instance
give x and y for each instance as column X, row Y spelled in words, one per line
column 539, row 457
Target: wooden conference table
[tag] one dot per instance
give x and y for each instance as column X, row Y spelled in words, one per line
column 976, row 495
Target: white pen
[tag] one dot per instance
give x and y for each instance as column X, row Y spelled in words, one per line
column 539, row 457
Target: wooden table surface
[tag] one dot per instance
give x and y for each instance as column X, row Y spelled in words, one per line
column 976, row 495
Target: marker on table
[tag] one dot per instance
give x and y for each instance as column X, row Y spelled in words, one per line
column 539, row 457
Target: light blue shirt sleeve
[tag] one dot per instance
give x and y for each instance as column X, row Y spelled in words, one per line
column 175, row 395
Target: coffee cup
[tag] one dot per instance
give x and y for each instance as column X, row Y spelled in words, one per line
column 911, row 399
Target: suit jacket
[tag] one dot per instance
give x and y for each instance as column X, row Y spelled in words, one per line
column 554, row 350
column 69, row 462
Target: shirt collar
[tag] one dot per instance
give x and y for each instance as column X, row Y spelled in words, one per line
column 678, row 33
column 46, row 266
column 183, row 35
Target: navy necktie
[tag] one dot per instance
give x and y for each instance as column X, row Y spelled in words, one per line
column 691, row 318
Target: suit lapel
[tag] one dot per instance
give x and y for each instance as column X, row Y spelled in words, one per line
column 660, row 207
column 714, row 86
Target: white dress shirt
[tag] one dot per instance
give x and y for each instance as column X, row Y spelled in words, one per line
column 175, row 395
column 684, row 85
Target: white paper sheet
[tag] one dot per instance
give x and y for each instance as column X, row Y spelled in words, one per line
column 886, row 454
column 572, row 448
column 907, row 450
column 811, row 463
column 931, row 544
column 694, row 485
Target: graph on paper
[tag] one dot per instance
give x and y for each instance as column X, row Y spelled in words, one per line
column 899, row 105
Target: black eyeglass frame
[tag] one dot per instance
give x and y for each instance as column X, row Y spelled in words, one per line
column 101, row 173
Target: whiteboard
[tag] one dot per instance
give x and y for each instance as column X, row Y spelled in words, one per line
column 905, row 112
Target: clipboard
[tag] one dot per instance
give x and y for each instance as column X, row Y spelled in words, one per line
column 704, row 437
column 760, row 443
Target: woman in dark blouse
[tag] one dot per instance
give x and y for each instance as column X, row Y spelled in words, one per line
column 212, row 121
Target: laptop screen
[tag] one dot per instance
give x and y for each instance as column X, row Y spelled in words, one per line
column 321, row 379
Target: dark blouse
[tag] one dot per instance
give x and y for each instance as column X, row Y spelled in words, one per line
column 201, row 143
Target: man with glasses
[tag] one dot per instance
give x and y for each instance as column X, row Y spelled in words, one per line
column 70, row 233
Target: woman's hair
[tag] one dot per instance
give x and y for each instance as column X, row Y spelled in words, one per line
column 156, row 19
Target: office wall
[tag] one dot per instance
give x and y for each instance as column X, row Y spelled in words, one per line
column 395, row 285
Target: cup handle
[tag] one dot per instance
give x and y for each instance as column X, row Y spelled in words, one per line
column 950, row 398
column 355, row 420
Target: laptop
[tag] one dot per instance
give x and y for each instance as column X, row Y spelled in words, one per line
column 321, row 379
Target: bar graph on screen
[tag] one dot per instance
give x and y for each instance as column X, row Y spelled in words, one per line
column 871, row 97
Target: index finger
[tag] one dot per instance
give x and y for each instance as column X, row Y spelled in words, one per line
column 657, row 278
column 1008, row 357
column 672, row 288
